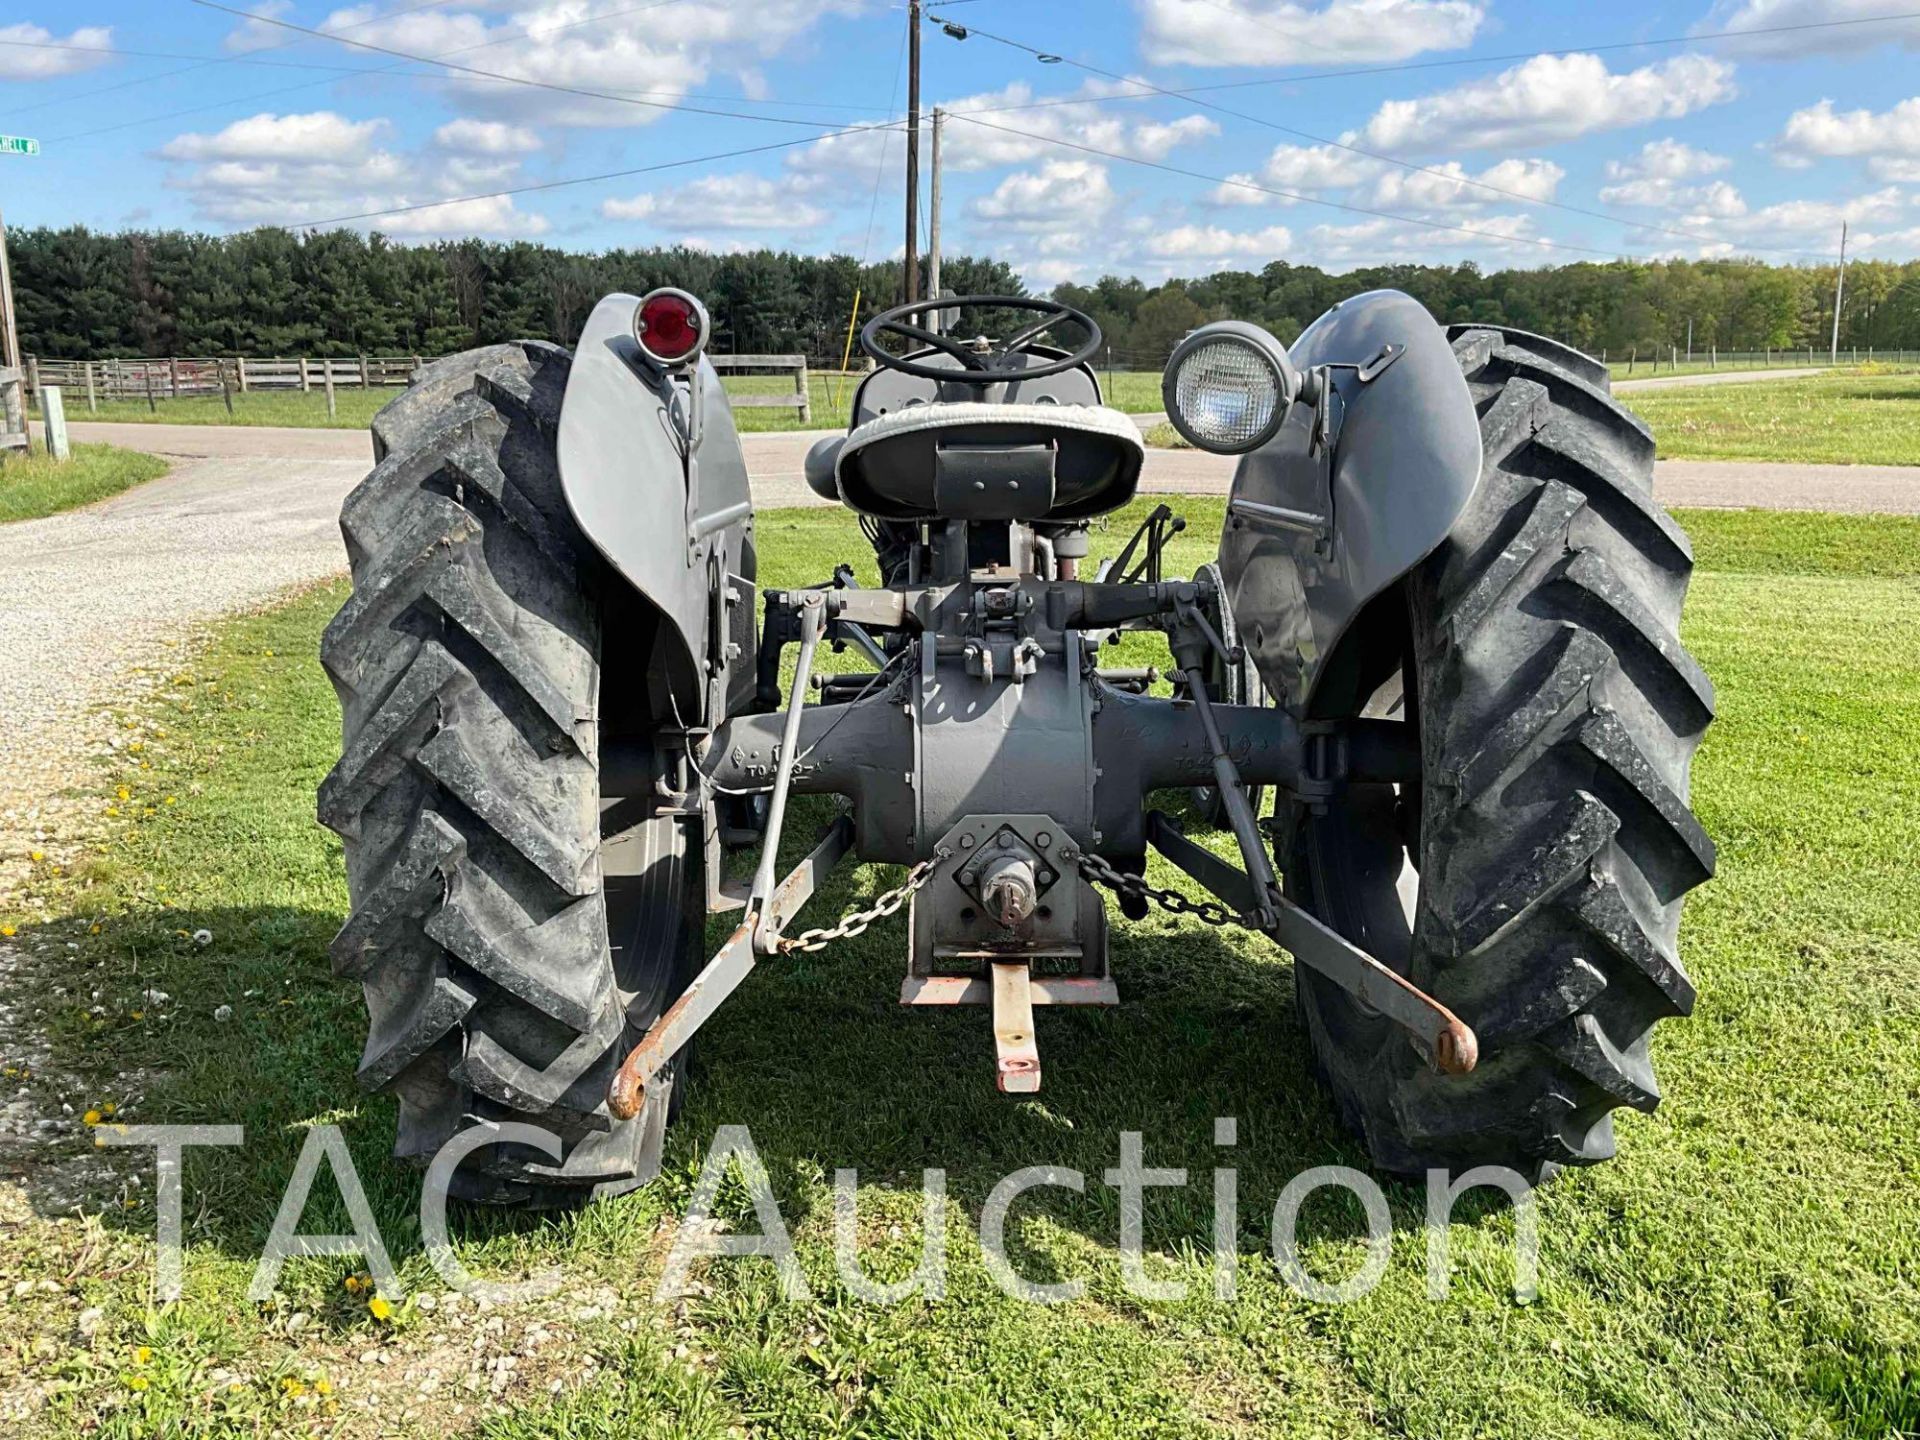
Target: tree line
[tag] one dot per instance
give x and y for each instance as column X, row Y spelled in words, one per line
column 81, row 294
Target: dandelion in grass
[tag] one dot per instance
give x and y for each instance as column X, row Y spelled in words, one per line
column 380, row 1308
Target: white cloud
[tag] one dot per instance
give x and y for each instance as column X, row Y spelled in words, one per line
column 1716, row 199
column 1441, row 187
column 485, row 137
column 1889, row 141
column 1374, row 242
column 23, row 60
column 1667, row 160
column 1280, row 32
column 1060, row 195
column 1902, row 27
column 1318, row 167
column 1820, row 220
column 651, row 54
column 1238, row 190
column 1549, row 98
column 968, row 146
column 313, row 138
column 1211, row 242
column 491, row 215
column 724, row 202
column 295, row 169
column 251, row 35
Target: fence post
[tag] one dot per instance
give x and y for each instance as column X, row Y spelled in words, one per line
column 801, row 389
column 1713, row 357
column 240, row 371
column 306, row 380
column 33, row 380
column 415, row 370
column 326, row 370
column 93, row 404
column 173, row 378
column 53, row 414
column 146, row 369
column 365, row 382
column 226, row 395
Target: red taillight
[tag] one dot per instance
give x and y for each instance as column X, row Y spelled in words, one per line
column 670, row 325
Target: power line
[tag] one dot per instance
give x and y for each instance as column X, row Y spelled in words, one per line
column 1604, row 47
column 554, row 86
column 249, row 58
column 1254, row 186
column 588, row 179
column 395, row 65
column 115, row 50
column 1692, row 236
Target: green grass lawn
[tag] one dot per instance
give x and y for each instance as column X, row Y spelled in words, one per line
column 831, row 394
column 1851, row 418
column 1748, row 1266
column 31, row 487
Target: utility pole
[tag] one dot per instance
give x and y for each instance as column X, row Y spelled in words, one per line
column 933, row 223
column 912, row 266
column 9, row 334
column 1839, row 292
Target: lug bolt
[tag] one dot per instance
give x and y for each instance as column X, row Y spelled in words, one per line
column 966, row 842
column 1043, row 839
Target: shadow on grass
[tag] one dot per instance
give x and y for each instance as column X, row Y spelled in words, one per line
column 813, row 1054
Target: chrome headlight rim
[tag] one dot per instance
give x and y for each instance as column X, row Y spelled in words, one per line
column 1264, row 349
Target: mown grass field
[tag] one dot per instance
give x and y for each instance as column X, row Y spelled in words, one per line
column 1856, row 417
column 1852, row 417
column 35, row 486
column 1748, row 1266
column 830, row 394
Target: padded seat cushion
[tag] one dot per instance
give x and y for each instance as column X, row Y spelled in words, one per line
column 894, row 465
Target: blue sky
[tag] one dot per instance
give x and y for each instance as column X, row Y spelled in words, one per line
column 175, row 113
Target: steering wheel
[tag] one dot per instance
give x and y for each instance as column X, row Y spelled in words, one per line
column 989, row 366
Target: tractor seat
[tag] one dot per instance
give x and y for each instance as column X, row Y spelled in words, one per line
column 971, row 460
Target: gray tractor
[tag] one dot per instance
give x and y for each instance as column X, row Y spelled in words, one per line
column 1437, row 649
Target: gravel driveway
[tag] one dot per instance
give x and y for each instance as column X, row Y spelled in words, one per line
column 89, row 597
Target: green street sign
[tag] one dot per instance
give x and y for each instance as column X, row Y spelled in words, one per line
column 18, row 145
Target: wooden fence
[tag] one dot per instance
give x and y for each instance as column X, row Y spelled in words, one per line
column 173, row 377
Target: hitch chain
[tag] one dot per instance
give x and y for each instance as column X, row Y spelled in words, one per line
column 1211, row 912
column 857, row 921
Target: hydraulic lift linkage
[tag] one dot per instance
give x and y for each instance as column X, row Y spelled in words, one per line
column 1362, row 750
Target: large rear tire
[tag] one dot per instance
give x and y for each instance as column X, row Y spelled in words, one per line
column 1533, row 879
column 514, row 933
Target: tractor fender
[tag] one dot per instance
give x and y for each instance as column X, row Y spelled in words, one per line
column 1313, row 532
column 677, row 526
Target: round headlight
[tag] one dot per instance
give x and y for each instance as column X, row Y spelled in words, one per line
column 1227, row 387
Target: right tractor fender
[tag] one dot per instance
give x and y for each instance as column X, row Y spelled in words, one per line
column 1316, row 530
column 677, row 528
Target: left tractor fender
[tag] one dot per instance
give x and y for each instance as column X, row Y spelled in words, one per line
column 672, row 519
column 1350, row 494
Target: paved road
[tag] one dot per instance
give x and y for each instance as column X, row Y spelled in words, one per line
column 1716, row 377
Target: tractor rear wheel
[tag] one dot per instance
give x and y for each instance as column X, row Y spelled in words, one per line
column 1533, row 879
column 514, row 933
